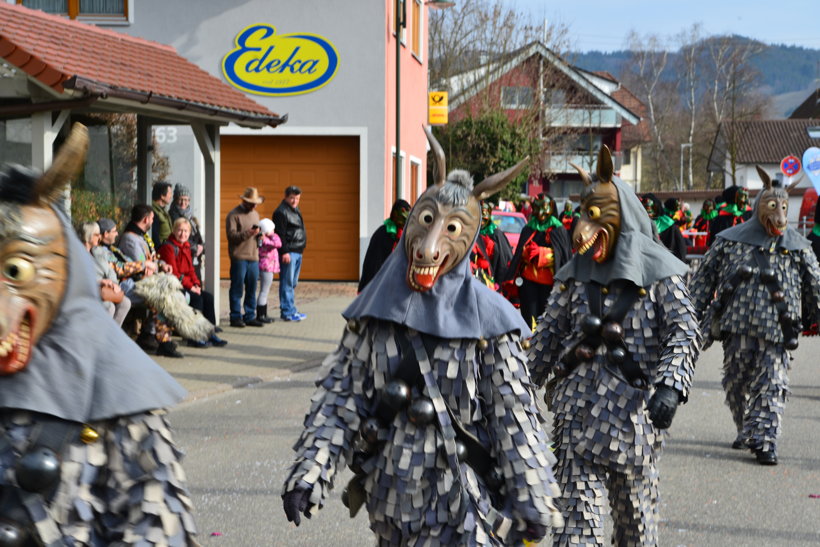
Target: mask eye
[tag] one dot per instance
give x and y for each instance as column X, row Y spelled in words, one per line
column 454, row 228
column 18, row 270
column 426, row 218
column 594, row 212
column 771, row 204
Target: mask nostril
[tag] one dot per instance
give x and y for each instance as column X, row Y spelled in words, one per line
column 435, row 256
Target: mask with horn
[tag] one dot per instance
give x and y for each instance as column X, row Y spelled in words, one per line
column 773, row 204
column 600, row 222
column 33, row 251
column 445, row 220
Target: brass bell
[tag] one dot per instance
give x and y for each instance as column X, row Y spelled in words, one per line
column 88, row 435
column 584, row 352
column 482, row 344
column 353, row 325
column 785, row 251
column 641, row 292
column 421, row 411
column 604, row 290
column 562, row 287
column 526, row 344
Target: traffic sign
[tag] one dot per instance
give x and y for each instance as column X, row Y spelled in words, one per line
column 790, row 166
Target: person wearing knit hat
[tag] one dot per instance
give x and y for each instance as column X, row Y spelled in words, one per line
column 181, row 207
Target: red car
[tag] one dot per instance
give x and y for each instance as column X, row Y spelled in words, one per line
column 511, row 224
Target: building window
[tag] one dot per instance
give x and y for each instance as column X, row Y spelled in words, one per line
column 113, row 9
column 415, row 179
column 516, row 97
column 415, row 27
column 398, row 9
column 627, row 157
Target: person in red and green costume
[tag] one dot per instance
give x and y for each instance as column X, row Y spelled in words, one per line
column 734, row 210
column 668, row 232
column 541, row 251
column 707, row 214
column 491, row 252
column 383, row 241
column 568, row 216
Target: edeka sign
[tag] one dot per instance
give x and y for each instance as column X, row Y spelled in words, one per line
column 266, row 63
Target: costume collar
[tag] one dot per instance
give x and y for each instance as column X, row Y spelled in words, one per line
column 551, row 222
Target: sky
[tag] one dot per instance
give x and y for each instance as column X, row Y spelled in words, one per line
column 603, row 25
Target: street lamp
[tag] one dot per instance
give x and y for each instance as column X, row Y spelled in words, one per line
column 401, row 24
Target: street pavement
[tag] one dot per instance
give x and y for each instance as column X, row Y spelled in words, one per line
column 247, row 400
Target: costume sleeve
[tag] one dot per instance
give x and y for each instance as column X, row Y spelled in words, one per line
column 679, row 335
column 521, row 449
column 147, row 502
column 333, row 419
column 704, row 282
column 810, row 277
column 550, row 338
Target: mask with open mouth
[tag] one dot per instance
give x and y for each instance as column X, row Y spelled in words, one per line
column 33, row 255
column 773, row 205
column 443, row 224
column 600, row 222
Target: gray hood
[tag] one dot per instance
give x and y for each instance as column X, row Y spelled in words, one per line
column 638, row 255
column 752, row 232
column 85, row 368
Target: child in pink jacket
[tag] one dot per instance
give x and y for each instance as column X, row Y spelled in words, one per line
column 269, row 242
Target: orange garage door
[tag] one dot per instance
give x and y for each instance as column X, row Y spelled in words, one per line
column 327, row 171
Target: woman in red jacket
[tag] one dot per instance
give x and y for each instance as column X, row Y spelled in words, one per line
column 176, row 252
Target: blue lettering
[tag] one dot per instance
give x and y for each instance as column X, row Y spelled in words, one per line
column 288, row 64
column 309, row 67
column 255, row 65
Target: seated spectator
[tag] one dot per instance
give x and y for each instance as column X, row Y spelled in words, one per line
column 176, row 252
column 112, row 296
column 181, row 207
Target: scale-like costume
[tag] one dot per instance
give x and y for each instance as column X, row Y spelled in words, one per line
column 619, row 339
column 756, row 287
column 86, row 455
column 428, row 396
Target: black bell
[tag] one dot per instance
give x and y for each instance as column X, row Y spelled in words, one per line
column 370, row 430
column 791, row 344
column 395, row 395
column 616, row 355
column 778, row 296
column 11, row 534
column 745, row 271
column 767, row 275
column 612, row 332
column 421, row 411
column 461, row 451
column 591, row 325
column 584, row 352
column 38, row 470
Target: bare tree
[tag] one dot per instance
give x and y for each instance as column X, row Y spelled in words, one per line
column 690, row 82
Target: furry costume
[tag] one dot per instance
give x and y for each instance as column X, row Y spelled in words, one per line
column 163, row 292
column 428, row 396
column 608, row 416
column 86, row 457
column 767, row 283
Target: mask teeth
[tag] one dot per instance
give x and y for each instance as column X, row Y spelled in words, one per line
column 587, row 245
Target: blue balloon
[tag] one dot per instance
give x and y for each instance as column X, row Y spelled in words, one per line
column 811, row 164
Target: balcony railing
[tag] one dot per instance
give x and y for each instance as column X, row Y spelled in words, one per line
column 560, row 163
column 588, row 116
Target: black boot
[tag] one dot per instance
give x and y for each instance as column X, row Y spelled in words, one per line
column 262, row 314
column 168, row 349
column 769, row 457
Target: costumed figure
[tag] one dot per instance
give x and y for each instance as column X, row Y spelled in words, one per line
column 701, row 225
column 542, row 250
column 567, row 216
column 756, row 286
column 667, row 230
column 733, row 209
column 86, row 454
column 383, row 241
column 619, row 339
column 491, row 253
column 428, row 397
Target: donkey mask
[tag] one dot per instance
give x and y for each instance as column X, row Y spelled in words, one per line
column 600, row 222
column 33, row 254
column 443, row 224
column 773, row 205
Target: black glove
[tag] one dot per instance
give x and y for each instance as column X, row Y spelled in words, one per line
column 296, row 501
column 662, row 406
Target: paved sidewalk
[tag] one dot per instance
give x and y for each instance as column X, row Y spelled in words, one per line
column 258, row 354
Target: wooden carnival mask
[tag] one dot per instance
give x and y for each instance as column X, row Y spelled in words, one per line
column 600, row 222
column 773, row 205
column 444, row 222
column 33, row 252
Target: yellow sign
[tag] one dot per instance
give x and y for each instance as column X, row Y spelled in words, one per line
column 266, row 63
column 437, row 108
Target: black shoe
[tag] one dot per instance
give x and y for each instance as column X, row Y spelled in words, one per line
column 738, row 444
column 238, row 323
column 262, row 314
column 768, row 457
column 168, row 349
column 254, row 323
column 197, row 344
column 218, row 342
column 147, row 342
column 217, row 329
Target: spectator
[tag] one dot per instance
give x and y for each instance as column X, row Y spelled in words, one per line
column 291, row 230
column 161, row 196
column 383, row 241
column 181, row 208
column 269, row 244
column 241, row 228
column 733, row 209
column 176, row 252
column 113, row 298
column 668, row 234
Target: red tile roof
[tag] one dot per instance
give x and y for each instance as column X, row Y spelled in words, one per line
column 769, row 141
column 53, row 49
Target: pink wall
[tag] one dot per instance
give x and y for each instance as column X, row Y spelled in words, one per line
column 413, row 103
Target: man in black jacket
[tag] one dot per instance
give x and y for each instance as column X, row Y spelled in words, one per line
column 291, row 230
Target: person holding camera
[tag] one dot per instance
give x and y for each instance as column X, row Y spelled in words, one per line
column 242, row 227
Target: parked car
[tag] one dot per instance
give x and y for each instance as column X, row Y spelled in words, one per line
column 511, row 224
